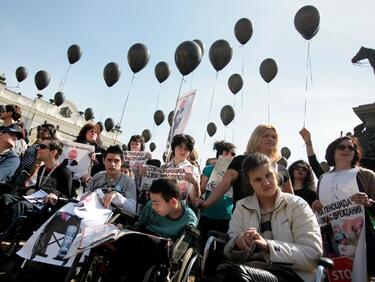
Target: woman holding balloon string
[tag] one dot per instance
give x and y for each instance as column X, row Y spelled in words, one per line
column 348, row 235
column 265, row 140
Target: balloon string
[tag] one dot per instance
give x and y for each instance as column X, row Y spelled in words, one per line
column 66, row 75
column 234, row 123
column 105, row 101
column 306, row 83
column 243, row 77
column 157, row 100
column 269, row 101
column 209, row 112
column 126, row 100
column 191, row 81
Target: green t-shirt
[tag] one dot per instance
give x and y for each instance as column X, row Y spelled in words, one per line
column 222, row 209
column 164, row 226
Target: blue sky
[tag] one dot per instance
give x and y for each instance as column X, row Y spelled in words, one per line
column 36, row 34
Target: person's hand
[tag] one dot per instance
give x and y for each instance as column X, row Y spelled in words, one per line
column 85, row 178
column 30, row 191
column 317, row 206
column 202, row 203
column 244, row 242
column 190, row 178
column 257, row 239
column 92, row 156
column 52, row 199
column 108, row 198
column 361, row 199
column 305, row 134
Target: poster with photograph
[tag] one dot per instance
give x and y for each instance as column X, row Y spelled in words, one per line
column 75, row 157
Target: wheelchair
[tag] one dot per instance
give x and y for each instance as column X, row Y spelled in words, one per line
column 180, row 261
column 213, row 255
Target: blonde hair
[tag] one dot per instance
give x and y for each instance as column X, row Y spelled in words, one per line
column 255, row 138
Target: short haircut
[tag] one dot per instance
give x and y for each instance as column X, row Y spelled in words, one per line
column 179, row 139
column 222, row 146
column 114, row 149
column 55, row 144
column 251, row 163
column 137, row 138
column 330, row 152
column 49, row 127
column 15, row 110
column 168, row 188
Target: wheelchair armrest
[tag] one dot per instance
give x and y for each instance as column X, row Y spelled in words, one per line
column 219, row 235
column 193, row 231
column 326, row 262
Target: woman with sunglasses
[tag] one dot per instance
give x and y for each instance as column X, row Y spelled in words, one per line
column 344, row 195
column 217, row 216
column 303, row 180
column 265, row 140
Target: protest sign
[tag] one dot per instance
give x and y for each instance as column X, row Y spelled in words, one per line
column 217, row 174
column 75, row 157
column 38, row 199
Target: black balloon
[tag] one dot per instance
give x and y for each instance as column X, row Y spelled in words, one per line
column 100, row 125
column 307, row 21
column 187, row 57
column 220, row 54
column 162, row 71
column 159, row 117
column 111, row 73
column 138, row 57
column 285, row 152
column 21, row 74
column 109, row 124
column 152, row 146
column 124, row 147
column 74, row 53
column 211, row 129
column 59, row 98
column 89, row 114
column 235, row 83
column 243, row 30
column 283, row 161
column 146, row 135
column 201, row 45
column 42, row 79
column 170, row 118
column 227, row 114
column 268, row 70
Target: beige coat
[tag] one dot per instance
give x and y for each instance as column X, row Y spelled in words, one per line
column 297, row 240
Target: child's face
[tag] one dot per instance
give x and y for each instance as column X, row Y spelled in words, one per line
column 159, row 205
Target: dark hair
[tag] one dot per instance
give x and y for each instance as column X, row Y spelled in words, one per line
column 114, row 149
column 308, row 181
column 55, row 144
column 330, row 152
column 167, row 187
column 222, row 146
column 81, row 138
column 50, row 127
column 179, row 139
column 137, row 138
column 16, row 111
column 252, row 162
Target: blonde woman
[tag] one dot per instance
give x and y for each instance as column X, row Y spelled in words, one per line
column 265, row 140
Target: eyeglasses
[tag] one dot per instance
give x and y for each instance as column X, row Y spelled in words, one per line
column 342, row 147
column 301, row 168
column 43, row 146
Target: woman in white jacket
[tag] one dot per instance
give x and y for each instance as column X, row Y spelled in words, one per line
column 271, row 227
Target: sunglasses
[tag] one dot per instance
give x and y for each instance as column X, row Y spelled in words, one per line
column 233, row 154
column 342, row 147
column 301, row 168
column 43, row 146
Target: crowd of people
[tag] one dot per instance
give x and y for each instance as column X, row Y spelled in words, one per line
column 279, row 220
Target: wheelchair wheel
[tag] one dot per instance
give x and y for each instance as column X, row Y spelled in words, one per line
column 185, row 261
column 156, row 273
column 96, row 271
column 192, row 272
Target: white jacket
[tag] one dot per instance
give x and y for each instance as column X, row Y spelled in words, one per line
column 297, row 240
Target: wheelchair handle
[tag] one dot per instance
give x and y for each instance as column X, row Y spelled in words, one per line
column 326, row 262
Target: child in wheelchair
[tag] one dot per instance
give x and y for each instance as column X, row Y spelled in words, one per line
column 164, row 216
